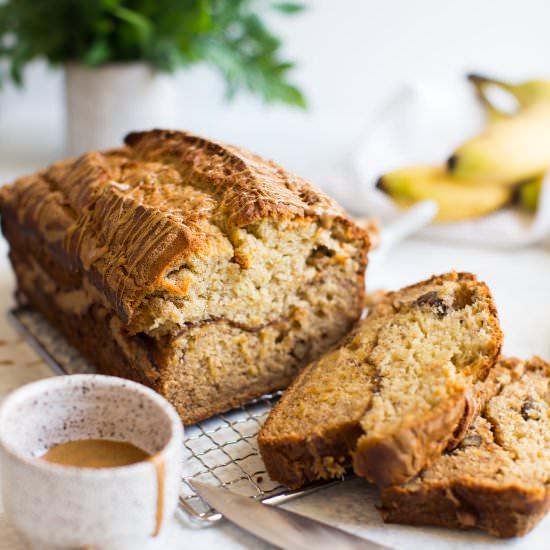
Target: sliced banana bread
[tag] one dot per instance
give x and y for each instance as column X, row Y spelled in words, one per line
column 197, row 268
column 394, row 394
column 498, row 479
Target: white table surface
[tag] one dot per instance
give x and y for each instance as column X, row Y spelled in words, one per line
column 520, row 281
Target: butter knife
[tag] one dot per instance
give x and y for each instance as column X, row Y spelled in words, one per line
column 280, row 527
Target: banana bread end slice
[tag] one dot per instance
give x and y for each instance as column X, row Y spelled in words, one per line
column 497, row 479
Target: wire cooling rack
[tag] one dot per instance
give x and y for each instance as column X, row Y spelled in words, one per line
column 221, row 450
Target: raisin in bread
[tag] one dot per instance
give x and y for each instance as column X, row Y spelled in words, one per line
column 394, row 394
column 498, row 478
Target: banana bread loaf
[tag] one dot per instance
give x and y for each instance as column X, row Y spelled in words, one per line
column 397, row 391
column 197, row 268
column 497, row 480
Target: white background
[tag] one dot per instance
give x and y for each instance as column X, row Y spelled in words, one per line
column 350, row 53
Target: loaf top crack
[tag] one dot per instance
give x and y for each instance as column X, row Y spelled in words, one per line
column 130, row 220
column 391, row 397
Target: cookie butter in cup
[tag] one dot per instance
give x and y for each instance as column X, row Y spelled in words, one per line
column 66, row 507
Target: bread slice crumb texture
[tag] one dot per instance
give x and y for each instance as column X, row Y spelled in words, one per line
column 498, row 478
column 392, row 394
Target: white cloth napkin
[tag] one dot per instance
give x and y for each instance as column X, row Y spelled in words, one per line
column 422, row 124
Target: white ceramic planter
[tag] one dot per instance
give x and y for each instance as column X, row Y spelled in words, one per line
column 105, row 103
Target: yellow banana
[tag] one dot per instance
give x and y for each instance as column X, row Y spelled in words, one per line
column 512, row 148
column 525, row 93
column 481, row 84
column 456, row 200
column 529, row 193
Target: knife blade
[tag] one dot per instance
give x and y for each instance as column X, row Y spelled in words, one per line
column 280, row 527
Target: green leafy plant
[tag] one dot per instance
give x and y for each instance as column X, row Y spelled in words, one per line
column 230, row 35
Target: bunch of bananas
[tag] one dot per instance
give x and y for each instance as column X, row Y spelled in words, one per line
column 503, row 164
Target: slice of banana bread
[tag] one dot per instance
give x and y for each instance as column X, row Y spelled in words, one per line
column 498, row 479
column 394, row 394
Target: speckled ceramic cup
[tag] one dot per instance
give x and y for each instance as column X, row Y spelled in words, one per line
column 62, row 507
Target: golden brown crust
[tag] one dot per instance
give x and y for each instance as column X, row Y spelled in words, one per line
column 296, row 461
column 250, row 187
column 501, row 511
column 462, row 491
column 126, row 217
column 394, row 459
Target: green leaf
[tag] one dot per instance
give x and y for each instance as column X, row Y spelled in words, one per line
column 231, row 35
column 98, row 53
column 138, row 22
column 110, row 4
column 16, row 69
column 167, row 56
column 103, row 26
column 292, row 95
column 289, row 7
